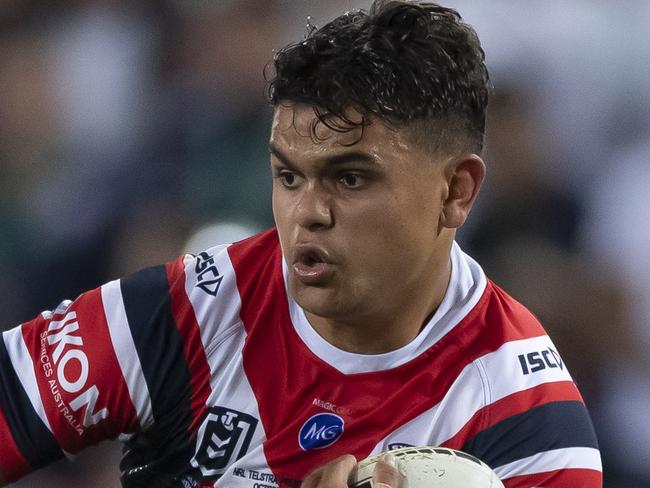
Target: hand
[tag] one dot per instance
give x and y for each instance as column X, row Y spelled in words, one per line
column 336, row 473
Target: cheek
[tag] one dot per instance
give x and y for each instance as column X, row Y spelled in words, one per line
column 282, row 220
column 281, row 208
column 402, row 217
column 275, row 207
column 377, row 237
column 395, row 234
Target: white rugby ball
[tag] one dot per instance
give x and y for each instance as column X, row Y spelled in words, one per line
column 431, row 467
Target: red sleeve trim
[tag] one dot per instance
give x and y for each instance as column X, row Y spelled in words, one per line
column 513, row 404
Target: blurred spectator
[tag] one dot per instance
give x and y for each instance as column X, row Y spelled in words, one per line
column 125, row 126
column 72, row 103
column 616, row 238
column 220, row 119
column 26, row 140
column 520, row 198
column 587, row 69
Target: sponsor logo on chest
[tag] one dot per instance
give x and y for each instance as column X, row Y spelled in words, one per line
column 320, row 430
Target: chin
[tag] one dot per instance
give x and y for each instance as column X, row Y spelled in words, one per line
column 317, row 301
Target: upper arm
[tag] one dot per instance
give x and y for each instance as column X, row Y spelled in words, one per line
column 128, row 357
column 532, row 427
column 78, row 375
column 536, row 428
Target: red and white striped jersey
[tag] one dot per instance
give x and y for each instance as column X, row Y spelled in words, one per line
column 211, row 375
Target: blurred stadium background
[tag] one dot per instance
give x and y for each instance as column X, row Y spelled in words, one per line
column 131, row 131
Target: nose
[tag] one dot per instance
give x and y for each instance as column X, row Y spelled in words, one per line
column 314, row 208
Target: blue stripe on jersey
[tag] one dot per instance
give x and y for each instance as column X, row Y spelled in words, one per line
column 554, row 425
column 160, row 349
column 33, row 438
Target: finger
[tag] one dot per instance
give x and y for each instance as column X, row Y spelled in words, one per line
column 312, row 480
column 386, row 474
column 334, row 474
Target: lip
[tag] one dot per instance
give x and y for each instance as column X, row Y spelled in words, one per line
column 312, row 265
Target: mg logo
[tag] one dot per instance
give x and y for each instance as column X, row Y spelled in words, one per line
column 222, row 439
column 321, row 430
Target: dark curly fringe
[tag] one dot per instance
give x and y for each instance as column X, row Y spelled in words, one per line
column 401, row 62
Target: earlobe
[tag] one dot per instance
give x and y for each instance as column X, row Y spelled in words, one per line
column 465, row 176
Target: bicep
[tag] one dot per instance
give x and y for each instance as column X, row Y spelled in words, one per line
column 68, row 380
column 552, row 441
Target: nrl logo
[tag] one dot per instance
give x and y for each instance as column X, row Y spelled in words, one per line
column 223, row 438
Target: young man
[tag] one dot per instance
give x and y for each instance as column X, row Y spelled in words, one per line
column 357, row 326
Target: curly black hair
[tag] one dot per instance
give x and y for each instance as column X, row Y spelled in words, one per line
column 408, row 64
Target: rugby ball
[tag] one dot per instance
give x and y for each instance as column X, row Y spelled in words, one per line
column 431, row 467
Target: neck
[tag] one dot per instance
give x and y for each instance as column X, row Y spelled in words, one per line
column 390, row 325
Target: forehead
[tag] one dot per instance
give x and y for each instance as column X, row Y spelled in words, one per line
column 295, row 126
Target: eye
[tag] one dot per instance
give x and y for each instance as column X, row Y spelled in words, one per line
column 287, row 178
column 352, row 180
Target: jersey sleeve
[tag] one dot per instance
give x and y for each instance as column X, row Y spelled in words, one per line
column 530, row 423
column 534, row 429
column 121, row 359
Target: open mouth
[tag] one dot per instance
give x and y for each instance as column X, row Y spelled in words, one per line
column 311, row 265
column 310, row 258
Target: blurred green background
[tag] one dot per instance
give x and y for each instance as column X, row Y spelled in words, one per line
column 132, row 131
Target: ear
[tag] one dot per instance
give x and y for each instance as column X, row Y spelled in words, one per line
column 464, row 176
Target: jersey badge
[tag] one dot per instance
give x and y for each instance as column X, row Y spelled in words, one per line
column 320, row 430
column 222, row 439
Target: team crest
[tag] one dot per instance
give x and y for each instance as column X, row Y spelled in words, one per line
column 222, row 439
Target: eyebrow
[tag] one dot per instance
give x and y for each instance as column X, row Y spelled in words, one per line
column 338, row 159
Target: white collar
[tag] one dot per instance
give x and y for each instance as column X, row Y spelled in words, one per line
column 466, row 286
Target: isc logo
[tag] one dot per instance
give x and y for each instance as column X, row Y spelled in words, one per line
column 320, row 430
column 539, row 360
column 207, row 274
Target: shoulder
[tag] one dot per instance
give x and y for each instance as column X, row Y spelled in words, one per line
column 483, row 310
column 534, row 419
column 257, row 263
column 522, row 355
column 215, row 283
column 518, row 364
column 508, row 316
column 256, row 253
column 209, row 269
